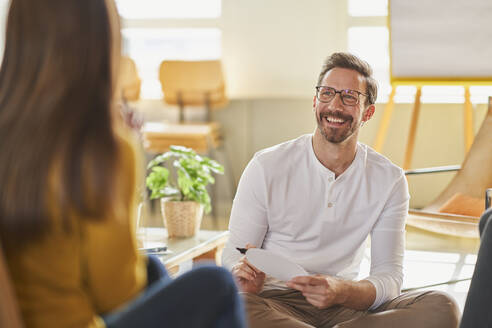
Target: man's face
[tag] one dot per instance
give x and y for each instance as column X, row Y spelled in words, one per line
column 337, row 121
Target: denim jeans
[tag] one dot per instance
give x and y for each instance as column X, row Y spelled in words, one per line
column 478, row 309
column 203, row 297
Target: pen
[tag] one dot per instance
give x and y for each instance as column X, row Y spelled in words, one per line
column 154, row 249
column 242, row 250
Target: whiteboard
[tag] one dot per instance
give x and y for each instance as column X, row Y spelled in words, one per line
column 448, row 40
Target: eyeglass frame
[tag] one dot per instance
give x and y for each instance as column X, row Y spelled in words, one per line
column 340, row 92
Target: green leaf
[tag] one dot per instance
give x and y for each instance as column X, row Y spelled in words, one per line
column 157, row 178
column 182, row 151
column 159, row 159
column 184, row 182
column 192, row 173
column 212, row 165
column 157, row 181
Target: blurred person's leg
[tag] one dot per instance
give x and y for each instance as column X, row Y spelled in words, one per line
column 155, row 270
column 204, row 297
column 478, row 309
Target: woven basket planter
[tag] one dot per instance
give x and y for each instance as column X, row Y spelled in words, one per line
column 182, row 219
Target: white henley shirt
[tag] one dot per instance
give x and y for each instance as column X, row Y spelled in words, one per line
column 287, row 202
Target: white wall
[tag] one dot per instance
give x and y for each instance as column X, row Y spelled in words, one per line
column 275, row 48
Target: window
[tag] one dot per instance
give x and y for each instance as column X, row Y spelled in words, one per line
column 148, row 47
column 155, row 30
column 151, row 9
column 368, row 7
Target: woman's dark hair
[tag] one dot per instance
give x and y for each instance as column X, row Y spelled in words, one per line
column 58, row 147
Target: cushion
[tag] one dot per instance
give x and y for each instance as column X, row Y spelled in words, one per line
column 464, row 205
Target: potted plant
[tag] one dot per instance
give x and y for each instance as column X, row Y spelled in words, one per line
column 183, row 191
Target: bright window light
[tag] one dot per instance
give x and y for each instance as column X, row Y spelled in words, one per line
column 466, row 272
column 461, row 287
column 405, row 94
column 480, row 94
column 434, row 272
column 441, row 94
column 471, row 259
column 426, row 256
column 145, row 9
column 149, row 47
column 368, row 7
column 371, row 44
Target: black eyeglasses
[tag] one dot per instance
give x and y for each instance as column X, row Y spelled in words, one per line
column 349, row 97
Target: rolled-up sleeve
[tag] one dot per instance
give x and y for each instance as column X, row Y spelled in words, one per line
column 388, row 245
column 249, row 214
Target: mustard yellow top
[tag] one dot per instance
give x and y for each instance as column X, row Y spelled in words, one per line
column 66, row 279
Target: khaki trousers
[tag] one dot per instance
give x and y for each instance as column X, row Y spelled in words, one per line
column 289, row 309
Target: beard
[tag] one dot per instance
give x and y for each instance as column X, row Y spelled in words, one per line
column 336, row 134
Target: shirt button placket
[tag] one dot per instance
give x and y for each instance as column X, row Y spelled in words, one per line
column 330, row 183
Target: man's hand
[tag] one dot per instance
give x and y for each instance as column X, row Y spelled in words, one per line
column 248, row 278
column 320, row 291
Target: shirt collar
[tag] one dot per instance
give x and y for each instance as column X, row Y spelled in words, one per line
column 360, row 154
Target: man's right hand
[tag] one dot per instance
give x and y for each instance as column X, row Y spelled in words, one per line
column 248, row 278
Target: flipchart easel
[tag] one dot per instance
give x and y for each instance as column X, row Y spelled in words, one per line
column 439, row 42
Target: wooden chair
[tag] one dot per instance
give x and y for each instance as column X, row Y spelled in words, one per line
column 159, row 136
column 193, row 83
column 9, row 310
column 129, row 80
column 472, row 180
column 188, row 83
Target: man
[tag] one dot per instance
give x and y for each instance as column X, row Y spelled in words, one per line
column 315, row 200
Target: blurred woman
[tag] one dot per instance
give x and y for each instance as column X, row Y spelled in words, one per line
column 67, row 177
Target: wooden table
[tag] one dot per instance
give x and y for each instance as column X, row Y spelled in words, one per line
column 159, row 136
column 206, row 245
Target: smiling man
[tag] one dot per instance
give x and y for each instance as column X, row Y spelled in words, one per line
column 315, row 200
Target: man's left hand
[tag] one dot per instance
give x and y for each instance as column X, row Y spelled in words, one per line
column 321, row 291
